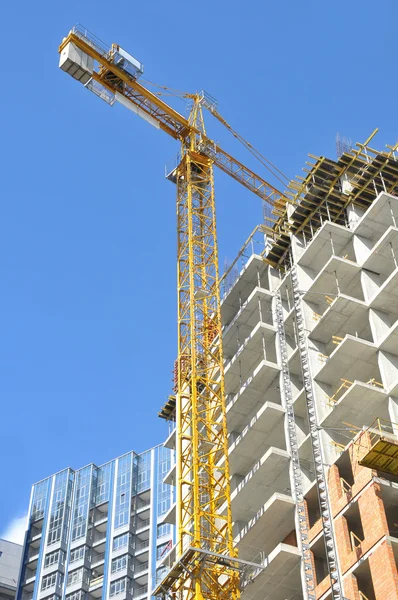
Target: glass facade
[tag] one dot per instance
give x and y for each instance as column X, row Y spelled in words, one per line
column 99, row 532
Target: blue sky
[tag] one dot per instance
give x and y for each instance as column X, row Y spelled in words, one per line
column 87, row 244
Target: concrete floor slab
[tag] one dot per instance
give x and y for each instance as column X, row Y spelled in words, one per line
column 344, row 315
column 325, row 282
column 250, row 345
column 300, row 404
column 272, row 523
column 389, row 343
column 280, row 580
column 265, row 429
column 360, row 404
column 252, row 393
column 270, row 474
column 256, row 308
column 353, row 359
column 377, row 218
column 386, row 297
column 319, row 250
column 248, row 357
column 381, row 256
column 252, row 273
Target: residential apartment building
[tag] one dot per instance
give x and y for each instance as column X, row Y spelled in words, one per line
column 10, row 561
column 97, row 532
column 310, row 320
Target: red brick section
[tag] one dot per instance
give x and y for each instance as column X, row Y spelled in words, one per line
column 374, row 525
column 384, row 572
column 351, row 588
column 291, row 539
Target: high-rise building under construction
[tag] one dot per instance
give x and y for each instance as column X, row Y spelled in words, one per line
column 310, row 320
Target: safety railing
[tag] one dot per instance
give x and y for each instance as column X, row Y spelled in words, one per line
column 91, row 39
column 355, row 540
column 141, row 567
column 339, row 392
column 255, row 244
column 139, row 591
column 346, row 488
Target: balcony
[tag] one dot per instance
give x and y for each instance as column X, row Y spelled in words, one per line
column 258, row 346
column 353, row 359
column 356, row 403
column 251, row 394
column 253, row 273
column 265, row 429
column 171, row 476
column 142, row 524
column 270, row 474
column 344, row 315
column 97, row 560
column 272, row 523
column 280, row 577
column 339, row 275
column 95, row 588
column 140, row 591
column 171, row 440
column 256, row 308
column 329, row 239
column 385, row 297
column 377, row 218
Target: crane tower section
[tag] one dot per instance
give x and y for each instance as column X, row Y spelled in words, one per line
column 206, row 564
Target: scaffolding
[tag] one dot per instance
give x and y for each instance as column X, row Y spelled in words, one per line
column 329, row 187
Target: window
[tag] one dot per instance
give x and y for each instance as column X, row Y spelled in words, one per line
column 120, row 541
column 117, row 587
column 163, row 549
column 77, row 554
column 75, row 577
column 75, row 596
column 49, row 581
column 118, row 564
column 163, row 529
column 51, row 559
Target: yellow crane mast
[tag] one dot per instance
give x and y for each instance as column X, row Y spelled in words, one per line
column 206, row 566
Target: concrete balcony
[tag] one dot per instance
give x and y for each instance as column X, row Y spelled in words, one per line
column 358, row 404
column 251, row 352
column 272, row 523
column 344, row 315
column 265, row 429
column 389, row 342
column 353, row 359
column 342, row 270
column 380, row 257
column 329, row 239
column 250, row 394
column 252, row 274
column 170, row 516
column 171, row 440
column 280, row 579
column 171, row 476
column 270, row 474
column 377, row 218
column 385, row 298
column 256, row 308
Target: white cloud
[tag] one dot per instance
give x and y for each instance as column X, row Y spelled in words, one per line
column 15, row 531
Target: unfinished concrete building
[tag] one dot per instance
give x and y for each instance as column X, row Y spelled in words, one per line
column 310, row 340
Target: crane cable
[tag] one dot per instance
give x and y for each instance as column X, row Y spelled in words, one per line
column 168, row 91
column 256, row 153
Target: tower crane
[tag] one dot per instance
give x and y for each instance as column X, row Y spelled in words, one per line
column 207, row 566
